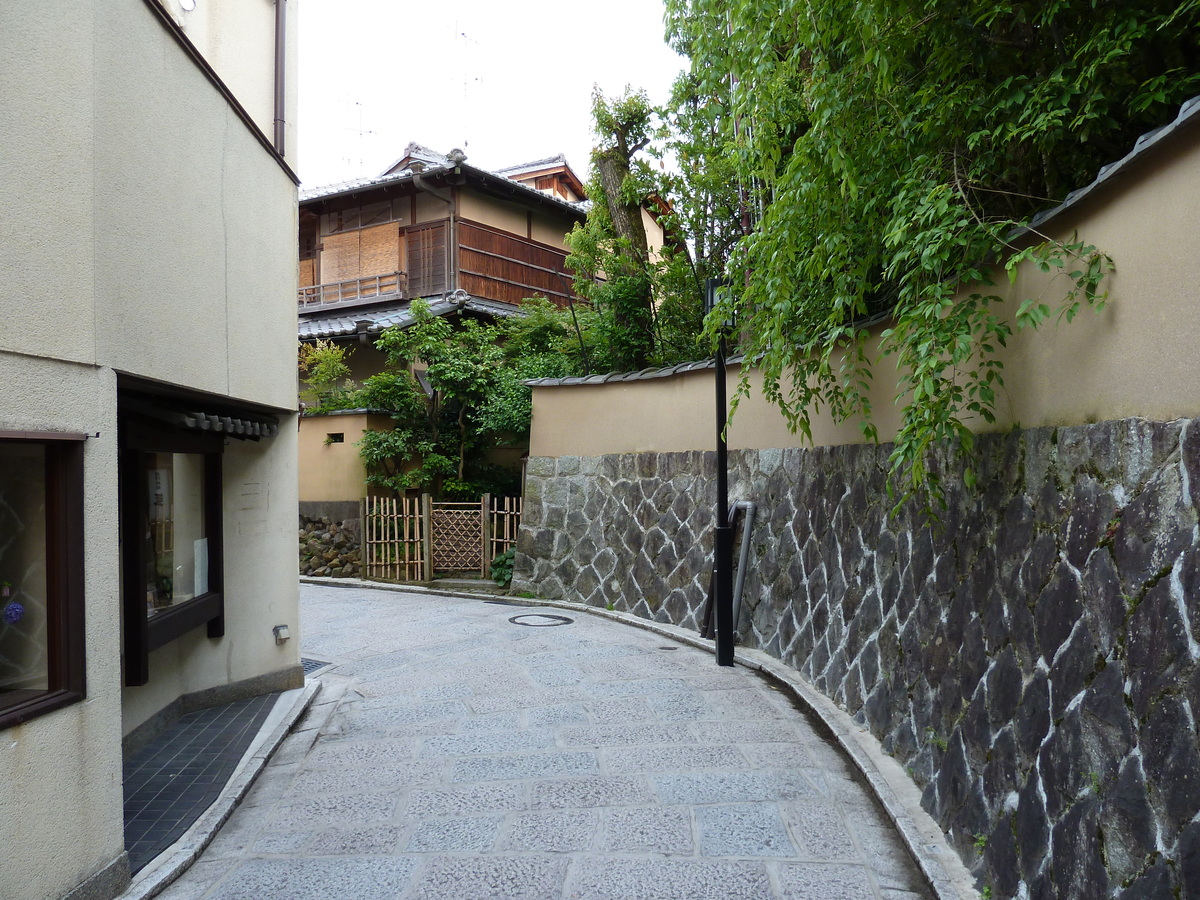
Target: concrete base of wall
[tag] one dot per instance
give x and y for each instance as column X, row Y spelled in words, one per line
column 280, row 680
column 335, row 510
column 105, row 884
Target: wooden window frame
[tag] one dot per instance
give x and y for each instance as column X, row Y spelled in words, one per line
column 65, row 638
column 142, row 634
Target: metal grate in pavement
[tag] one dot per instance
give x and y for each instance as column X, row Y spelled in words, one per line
column 311, row 665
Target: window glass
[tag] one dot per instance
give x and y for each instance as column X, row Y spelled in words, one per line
column 176, row 537
column 24, row 647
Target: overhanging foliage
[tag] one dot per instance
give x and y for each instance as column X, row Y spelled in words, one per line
column 887, row 151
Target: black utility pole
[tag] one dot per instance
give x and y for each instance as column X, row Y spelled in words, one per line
column 723, row 540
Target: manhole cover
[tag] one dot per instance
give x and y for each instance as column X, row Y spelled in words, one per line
column 311, row 665
column 540, row 620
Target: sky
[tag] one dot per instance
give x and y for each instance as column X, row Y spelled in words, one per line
column 505, row 82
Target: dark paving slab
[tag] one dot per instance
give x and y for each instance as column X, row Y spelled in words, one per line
column 171, row 781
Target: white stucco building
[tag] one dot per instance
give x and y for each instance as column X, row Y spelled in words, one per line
column 147, row 409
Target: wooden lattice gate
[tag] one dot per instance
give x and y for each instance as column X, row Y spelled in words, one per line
column 458, row 537
column 412, row 539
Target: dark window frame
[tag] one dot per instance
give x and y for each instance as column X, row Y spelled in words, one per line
column 139, row 438
column 65, row 622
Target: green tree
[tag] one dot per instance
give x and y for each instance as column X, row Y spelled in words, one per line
column 888, row 151
column 438, row 441
column 324, row 367
column 610, row 253
column 644, row 308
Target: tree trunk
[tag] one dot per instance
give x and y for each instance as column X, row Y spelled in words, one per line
column 634, row 302
column 626, row 217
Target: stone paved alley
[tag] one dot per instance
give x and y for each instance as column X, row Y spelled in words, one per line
column 462, row 749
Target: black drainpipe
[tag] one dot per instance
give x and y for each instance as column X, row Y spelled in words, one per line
column 280, row 67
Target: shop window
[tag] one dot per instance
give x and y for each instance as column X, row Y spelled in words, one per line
column 171, row 445
column 41, row 574
column 176, row 555
column 171, row 560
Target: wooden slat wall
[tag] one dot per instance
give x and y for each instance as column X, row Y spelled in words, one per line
column 426, row 246
column 500, row 266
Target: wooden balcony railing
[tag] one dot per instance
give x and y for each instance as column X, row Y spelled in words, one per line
column 338, row 293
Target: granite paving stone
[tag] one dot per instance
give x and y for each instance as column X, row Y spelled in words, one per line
column 317, row 879
column 624, row 736
column 652, row 829
column 622, row 878
column 819, row 831
column 380, row 840
column 671, row 759
column 473, row 833
column 813, row 881
column 559, row 714
column 449, row 801
column 557, row 832
column 495, row 876
column 716, row 787
column 599, row 790
column 743, row 829
column 524, row 765
column 459, row 756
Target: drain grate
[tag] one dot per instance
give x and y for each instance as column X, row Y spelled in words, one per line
column 541, row 620
column 311, row 665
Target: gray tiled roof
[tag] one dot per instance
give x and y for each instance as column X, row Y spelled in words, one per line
column 1189, row 114
column 439, row 164
column 559, row 160
column 643, row 375
column 380, row 318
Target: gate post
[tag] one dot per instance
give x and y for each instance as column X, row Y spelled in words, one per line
column 427, row 536
column 363, row 545
column 485, row 531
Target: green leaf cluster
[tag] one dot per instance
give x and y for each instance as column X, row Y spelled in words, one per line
column 887, row 152
column 455, row 389
column 324, row 367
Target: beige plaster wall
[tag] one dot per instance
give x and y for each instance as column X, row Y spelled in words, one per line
column 488, row 211
column 61, row 806
column 1135, row 358
column 181, row 194
column 334, row 471
column 430, row 208
column 237, row 38
column 47, row 267
column 146, row 231
column 552, row 231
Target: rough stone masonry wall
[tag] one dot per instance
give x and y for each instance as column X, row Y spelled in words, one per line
column 329, row 548
column 1032, row 660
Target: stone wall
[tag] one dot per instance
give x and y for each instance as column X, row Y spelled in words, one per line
column 1032, row 659
column 329, row 548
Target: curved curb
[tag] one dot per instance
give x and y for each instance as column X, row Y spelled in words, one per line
column 939, row 863
column 176, row 859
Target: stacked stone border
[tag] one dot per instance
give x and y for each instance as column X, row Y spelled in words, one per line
column 1031, row 660
column 330, row 547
